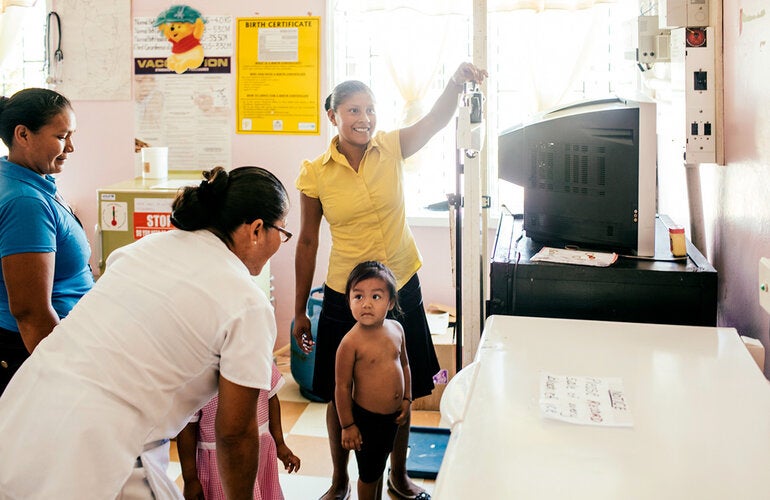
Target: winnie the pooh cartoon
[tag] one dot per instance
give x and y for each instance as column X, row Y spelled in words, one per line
column 183, row 27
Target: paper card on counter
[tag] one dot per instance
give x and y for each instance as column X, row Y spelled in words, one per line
column 584, row 400
column 579, row 257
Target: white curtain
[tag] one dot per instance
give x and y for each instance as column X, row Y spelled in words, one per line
column 556, row 54
column 413, row 39
column 414, row 53
column 429, row 7
column 558, row 37
column 413, row 35
column 541, row 5
column 11, row 20
column 560, row 34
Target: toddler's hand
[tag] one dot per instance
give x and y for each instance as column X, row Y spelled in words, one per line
column 291, row 462
column 351, row 438
column 406, row 409
column 193, row 490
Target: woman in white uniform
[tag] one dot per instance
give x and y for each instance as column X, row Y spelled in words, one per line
column 174, row 320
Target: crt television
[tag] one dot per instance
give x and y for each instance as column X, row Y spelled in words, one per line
column 589, row 174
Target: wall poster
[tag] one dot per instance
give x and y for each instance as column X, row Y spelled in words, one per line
column 278, row 75
column 182, row 86
column 94, row 38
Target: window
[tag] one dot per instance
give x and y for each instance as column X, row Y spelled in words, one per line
column 365, row 43
column 525, row 71
column 535, row 62
column 24, row 64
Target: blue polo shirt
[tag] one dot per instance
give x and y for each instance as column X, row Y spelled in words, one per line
column 33, row 221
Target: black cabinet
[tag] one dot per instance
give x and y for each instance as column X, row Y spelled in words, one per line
column 659, row 290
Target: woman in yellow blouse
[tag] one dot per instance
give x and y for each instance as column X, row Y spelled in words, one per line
column 357, row 185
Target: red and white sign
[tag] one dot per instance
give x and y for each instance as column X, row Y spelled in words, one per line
column 151, row 215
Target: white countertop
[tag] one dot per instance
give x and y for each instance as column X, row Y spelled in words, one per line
column 700, row 407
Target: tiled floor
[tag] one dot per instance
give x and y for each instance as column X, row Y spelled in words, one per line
column 304, row 425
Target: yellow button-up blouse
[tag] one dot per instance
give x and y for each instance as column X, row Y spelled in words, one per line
column 365, row 209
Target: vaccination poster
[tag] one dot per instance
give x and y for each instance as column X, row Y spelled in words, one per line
column 278, row 75
column 182, row 88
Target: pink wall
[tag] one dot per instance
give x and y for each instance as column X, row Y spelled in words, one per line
column 741, row 219
column 105, row 155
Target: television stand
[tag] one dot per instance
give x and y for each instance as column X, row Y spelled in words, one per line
column 659, row 290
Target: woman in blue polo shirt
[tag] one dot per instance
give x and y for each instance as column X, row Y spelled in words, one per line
column 43, row 247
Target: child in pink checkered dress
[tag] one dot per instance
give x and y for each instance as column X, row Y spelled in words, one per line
column 198, row 454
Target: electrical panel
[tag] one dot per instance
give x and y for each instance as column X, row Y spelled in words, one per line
column 693, row 73
column 693, row 59
column 683, row 13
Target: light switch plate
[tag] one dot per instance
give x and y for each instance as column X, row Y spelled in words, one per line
column 764, row 283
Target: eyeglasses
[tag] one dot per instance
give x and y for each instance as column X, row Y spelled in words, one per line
column 286, row 235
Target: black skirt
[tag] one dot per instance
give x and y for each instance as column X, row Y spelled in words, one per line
column 336, row 320
column 12, row 354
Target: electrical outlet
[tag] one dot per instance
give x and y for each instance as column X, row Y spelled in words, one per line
column 764, row 283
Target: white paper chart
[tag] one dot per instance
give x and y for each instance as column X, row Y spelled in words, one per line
column 579, row 257
column 584, row 400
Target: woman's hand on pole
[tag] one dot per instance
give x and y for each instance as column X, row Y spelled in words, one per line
column 467, row 72
column 302, row 334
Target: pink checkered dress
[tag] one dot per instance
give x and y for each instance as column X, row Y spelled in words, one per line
column 267, row 486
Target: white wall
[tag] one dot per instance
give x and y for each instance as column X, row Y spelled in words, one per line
column 104, row 154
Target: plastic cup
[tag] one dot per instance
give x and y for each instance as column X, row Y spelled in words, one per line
column 155, row 162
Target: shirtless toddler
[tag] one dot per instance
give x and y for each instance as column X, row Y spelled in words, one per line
column 373, row 383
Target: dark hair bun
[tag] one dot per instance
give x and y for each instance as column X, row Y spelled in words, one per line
column 213, row 188
column 225, row 200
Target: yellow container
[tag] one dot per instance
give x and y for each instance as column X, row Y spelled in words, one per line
column 676, row 237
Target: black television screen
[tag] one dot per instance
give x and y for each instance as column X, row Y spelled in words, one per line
column 589, row 174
